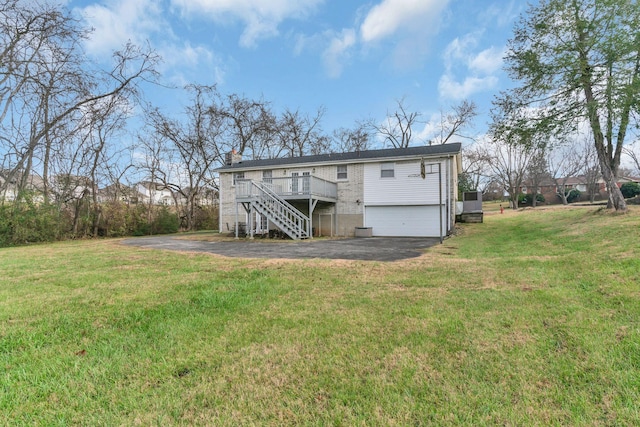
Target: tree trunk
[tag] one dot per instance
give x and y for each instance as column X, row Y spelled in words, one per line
column 190, row 219
column 96, row 221
column 616, row 199
column 562, row 192
column 608, row 161
column 513, row 199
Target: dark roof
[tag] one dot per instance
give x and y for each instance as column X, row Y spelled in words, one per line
column 389, row 153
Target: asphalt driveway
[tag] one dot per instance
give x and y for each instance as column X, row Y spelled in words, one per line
column 368, row 249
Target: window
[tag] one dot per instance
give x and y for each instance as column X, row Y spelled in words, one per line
column 237, row 176
column 266, row 176
column 342, row 172
column 387, row 170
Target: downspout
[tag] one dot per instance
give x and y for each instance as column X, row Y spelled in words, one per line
column 236, row 203
column 220, row 205
column 250, row 221
column 449, row 190
column 440, row 195
column 220, row 212
column 310, row 222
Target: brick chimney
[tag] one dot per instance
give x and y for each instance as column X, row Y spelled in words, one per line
column 232, row 158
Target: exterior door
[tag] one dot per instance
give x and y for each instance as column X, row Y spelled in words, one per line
column 300, row 184
column 306, row 182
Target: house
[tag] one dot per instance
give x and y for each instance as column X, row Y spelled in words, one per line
column 69, row 187
column 118, row 192
column 155, row 193
column 205, row 196
column 391, row 192
column 595, row 187
column 9, row 189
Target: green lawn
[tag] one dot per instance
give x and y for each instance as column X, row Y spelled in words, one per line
column 530, row 318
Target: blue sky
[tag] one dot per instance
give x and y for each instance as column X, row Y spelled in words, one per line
column 355, row 58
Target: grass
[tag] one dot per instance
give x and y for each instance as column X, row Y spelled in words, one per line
column 530, row 318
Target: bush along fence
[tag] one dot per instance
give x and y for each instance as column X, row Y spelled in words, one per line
column 24, row 221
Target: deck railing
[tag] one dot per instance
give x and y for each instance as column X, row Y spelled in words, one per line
column 290, row 187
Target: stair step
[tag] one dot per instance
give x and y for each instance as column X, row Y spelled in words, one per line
column 280, row 213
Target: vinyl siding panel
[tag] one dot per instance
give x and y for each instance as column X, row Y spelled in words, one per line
column 407, row 187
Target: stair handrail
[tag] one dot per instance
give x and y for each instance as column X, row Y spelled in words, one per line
column 282, row 201
column 297, row 221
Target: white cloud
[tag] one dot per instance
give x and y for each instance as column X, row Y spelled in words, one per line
column 117, row 22
column 393, row 16
column 315, row 42
column 336, row 48
column 120, row 21
column 261, row 18
column 503, row 13
column 191, row 58
column 431, row 128
column 480, row 68
column 488, row 61
column 449, row 88
column 338, row 52
column 458, row 50
column 408, row 24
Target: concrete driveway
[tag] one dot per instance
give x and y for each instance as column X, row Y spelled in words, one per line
column 367, row 249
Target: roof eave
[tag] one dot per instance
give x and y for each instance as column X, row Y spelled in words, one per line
column 234, row 168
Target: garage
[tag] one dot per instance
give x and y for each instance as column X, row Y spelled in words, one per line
column 403, row 221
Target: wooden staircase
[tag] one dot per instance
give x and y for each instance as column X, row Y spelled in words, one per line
column 288, row 219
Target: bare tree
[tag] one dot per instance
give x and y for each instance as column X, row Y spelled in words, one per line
column 509, row 164
column 71, row 185
column 46, row 83
column 633, row 152
column 153, row 163
column 397, row 128
column 537, row 172
column 454, row 122
column 515, row 143
column 476, row 166
column 355, row 139
column 251, row 127
column 565, row 162
column 301, row 134
column 192, row 147
column 106, row 118
column 591, row 170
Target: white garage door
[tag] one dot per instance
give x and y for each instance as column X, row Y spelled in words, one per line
column 405, row 221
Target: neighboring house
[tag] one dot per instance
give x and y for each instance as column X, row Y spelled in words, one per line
column 155, row 194
column 118, row 192
column 206, row 196
column 625, row 179
column 9, row 192
column 550, row 190
column 394, row 192
column 147, row 192
column 68, row 187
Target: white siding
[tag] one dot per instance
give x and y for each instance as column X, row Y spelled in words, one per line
column 407, row 204
column 407, row 187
